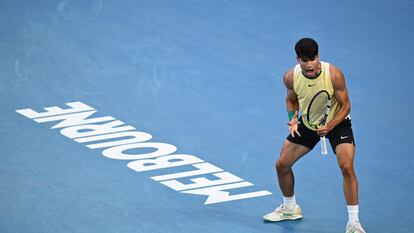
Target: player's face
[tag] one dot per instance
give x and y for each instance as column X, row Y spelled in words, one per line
column 310, row 67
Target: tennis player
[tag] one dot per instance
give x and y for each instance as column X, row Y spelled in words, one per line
column 306, row 79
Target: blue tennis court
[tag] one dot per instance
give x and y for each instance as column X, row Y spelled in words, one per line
column 167, row 116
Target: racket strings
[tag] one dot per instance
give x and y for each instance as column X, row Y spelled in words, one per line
column 318, row 110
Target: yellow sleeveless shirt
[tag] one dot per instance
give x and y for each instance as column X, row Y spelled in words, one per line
column 305, row 88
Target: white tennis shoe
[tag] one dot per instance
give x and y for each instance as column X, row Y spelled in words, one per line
column 354, row 227
column 282, row 214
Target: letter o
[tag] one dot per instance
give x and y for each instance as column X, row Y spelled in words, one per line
column 118, row 152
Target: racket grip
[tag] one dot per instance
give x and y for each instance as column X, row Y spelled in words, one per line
column 324, row 148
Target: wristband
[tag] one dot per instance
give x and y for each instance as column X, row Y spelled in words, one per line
column 291, row 114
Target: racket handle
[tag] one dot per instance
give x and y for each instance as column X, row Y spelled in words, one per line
column 324, row 148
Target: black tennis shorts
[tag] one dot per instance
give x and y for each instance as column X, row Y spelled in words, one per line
column 342, row 133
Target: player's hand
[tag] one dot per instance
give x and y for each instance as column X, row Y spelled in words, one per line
column 293, row 125
column 324, row 130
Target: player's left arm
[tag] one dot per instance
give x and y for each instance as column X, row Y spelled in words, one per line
column 341, row 95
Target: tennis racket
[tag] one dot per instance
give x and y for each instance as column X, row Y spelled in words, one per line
column 318, row 111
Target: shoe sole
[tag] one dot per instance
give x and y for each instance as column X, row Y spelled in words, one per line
column 284, row 219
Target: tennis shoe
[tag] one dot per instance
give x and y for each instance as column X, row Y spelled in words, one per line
column 282, row 214
column 354, row 227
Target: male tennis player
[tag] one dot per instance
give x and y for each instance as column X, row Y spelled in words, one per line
column 306, row 79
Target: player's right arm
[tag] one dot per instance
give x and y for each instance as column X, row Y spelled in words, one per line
column 292, row 104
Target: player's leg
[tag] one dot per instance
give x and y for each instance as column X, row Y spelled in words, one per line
column 290, row 153
column 345, row 155
column 292, row 150
column 343, row 144
column 289, row 210
column 342, row 141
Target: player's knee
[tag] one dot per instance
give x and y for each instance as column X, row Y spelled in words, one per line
column 347, row 169
column 282, row 166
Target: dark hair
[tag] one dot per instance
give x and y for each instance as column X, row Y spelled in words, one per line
column 306, row 48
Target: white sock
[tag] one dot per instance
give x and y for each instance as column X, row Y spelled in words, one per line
column 353, row 211
column 289, row 202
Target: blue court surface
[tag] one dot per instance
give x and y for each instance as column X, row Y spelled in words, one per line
column 168, row 116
